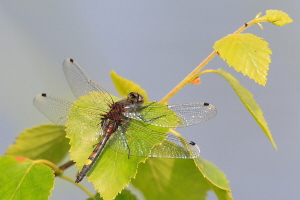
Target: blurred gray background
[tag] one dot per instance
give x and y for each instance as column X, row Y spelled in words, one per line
column 156, row 44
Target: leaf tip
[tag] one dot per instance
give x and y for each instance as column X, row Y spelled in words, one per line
column 125, row 86
column 278, row 18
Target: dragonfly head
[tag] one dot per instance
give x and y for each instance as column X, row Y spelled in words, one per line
column 134, row 97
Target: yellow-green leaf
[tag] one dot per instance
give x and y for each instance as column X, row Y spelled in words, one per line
column 170, row 179
column 124, row 195
column 112, row 170
column 42, row 142
column 24, row 179
column 246, row 53
column 217, row 179
column 277, row 17
column 249, row 102
column 179, row 179
column 125, row 86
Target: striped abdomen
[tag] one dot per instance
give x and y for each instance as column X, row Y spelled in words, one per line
column 110, row 128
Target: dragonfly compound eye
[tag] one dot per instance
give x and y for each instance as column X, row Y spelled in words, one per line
column 135, row 97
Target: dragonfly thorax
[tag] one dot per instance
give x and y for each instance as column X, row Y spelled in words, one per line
column 116, row 112
column 117, row 109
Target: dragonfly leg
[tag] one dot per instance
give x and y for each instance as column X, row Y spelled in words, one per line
column 150, row 120
column 125, row 140
column 143, row 107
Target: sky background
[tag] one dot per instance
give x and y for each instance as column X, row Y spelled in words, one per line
column 156, row 44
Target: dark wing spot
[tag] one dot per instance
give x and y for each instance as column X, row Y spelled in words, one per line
column 71, row 60
column 206, row 104
column 44, row 94
column 192, row 143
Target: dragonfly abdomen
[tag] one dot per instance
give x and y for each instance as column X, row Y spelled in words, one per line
column 109, row 130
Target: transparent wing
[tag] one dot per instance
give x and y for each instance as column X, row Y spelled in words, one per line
column 175, row 147
column 193, row 113
column 154, row 113
column 138, row 140
column 86, row 116
column 53, row 108
column 172, row 116
column 80, row 83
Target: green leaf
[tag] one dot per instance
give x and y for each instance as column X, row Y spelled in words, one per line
column 170, row 179
column 246, row 53
column 24, row 179
column 125, row 86
column 124, row 195
column 277, row 17
column 217, row 178
column 180, row 179
column 249, row 102
column 96, row 197
column 112, row 170
column 42, row 142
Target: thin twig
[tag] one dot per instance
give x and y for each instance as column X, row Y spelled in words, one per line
column 196, row 71
column 67, row 165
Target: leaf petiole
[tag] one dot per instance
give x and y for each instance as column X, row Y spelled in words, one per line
column 78, row 185
column 59, row 171
column 55, row 168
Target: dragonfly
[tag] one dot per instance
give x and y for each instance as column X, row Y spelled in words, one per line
column 123, row 125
